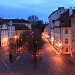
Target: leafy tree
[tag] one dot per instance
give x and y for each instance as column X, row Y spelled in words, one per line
column 39, row 25
column 33, row 18
column 32, row 41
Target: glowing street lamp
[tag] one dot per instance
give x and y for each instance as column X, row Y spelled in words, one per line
column 16, row 37
column 5, row 39
column 60, row 44
column 52, row 39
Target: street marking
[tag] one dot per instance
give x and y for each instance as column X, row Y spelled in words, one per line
column 5, row 64
column 6, row 53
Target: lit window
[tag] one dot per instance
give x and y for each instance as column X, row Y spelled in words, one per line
column 66, row 31
column 66, row 41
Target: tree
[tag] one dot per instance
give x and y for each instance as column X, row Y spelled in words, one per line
column 33, row 18
column 32, row 41
column 39, row 25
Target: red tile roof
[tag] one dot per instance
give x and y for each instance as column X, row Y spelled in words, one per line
column 63, row 16
column 67, row 23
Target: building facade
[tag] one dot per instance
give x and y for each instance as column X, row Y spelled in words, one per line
column 53, row 16
column 11, row 28
column 4, row 35
column 73, row 33
column 60, row 31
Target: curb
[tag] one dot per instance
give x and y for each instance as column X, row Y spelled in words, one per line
column 54, row 49
column 18, row 58
column 69, row 58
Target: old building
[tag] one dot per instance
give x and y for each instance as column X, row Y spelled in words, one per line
column 53, row 16
column 10, row 28
column 73, row 33
column 60, row 32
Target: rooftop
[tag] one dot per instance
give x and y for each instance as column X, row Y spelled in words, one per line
column 20, row 27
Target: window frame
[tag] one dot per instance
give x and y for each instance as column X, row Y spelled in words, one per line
column 66, row 31
column 66, row 49
column 66, row 40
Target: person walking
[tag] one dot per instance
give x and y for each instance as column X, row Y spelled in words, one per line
column 10, row 57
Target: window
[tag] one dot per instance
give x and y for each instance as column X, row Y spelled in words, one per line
column 66, row 31
column 66, row 41
column 66, row 49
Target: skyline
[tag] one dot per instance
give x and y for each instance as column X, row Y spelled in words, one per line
column 23, row 9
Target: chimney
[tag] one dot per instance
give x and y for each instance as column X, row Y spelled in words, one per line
column 70, row 11
column 61, row 9
column 11, row 23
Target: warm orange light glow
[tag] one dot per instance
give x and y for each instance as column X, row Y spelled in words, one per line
column 60, row 44
column 48, row 36
column 56, row 44
column 52, row 39
column 43, row 34
column 16, row 36
column 5, row 39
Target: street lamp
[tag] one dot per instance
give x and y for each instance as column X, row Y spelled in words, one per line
column 52, row 39
column 15, row 38
column 60, row 44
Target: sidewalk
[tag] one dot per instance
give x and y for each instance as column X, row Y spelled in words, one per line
column 68, row 57
column 55, row 50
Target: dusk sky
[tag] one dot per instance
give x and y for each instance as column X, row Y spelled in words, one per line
column 24, row 8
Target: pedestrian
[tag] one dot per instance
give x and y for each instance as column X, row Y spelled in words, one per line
column 10, row 57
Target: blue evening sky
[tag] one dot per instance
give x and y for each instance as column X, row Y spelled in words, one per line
column 24, row 8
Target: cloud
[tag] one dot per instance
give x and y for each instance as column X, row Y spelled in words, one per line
column 24, row 8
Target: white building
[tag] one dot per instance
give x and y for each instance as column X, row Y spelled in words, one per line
column 7, row 29
column 53, row 16
column 60, row 32
column 4, row 35
column 11, row 31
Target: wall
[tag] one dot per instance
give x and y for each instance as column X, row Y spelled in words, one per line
column 63, row 37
